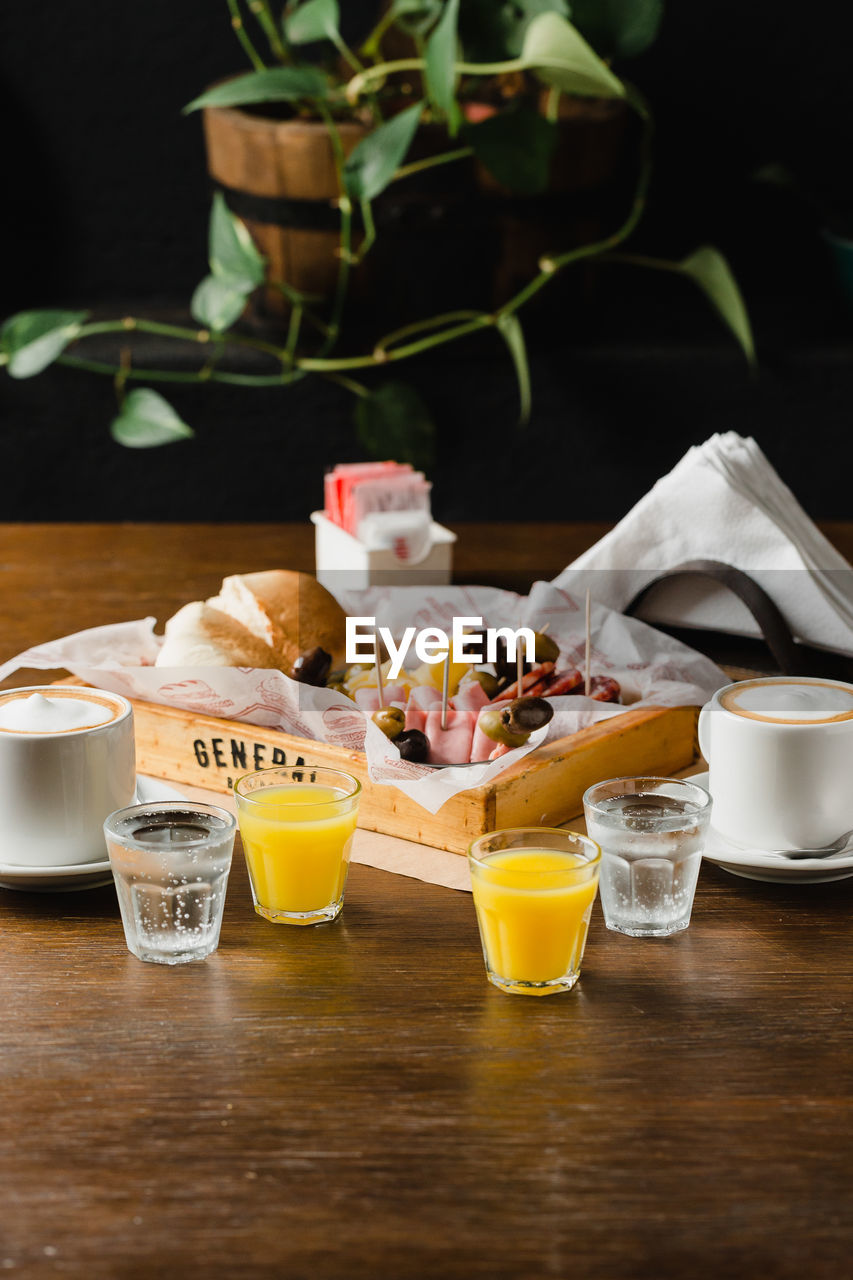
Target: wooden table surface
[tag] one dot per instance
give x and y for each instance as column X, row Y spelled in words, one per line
column 356, row 1101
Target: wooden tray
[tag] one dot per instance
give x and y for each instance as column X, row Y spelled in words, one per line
column 544, row 789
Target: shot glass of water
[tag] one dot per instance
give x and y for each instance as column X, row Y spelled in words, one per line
column 170, row 862
column 651, row 832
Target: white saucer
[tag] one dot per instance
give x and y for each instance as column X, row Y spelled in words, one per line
column 82, row 875
column 764, row 864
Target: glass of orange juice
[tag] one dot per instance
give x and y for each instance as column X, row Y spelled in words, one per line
column 533, row 893
column 297, row 826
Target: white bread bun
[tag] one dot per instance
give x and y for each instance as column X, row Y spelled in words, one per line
column 199, row 636
column 288, row 610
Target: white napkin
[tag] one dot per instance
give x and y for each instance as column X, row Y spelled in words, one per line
column 723, row 501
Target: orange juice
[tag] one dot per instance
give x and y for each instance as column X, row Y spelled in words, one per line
column 297, row 842
column 533, row 908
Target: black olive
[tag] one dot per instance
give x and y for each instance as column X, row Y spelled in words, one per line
column 524, row 715
column 312, row 667
column 413, row 745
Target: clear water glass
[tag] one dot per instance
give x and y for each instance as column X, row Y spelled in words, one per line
column 170, row 861
column 652, row 832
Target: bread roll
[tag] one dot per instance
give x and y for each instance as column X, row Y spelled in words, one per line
column 288, row 610
column 200, row 636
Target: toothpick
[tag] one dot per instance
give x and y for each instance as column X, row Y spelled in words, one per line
column 379, row 686
column 587, row 683
column 445, row 690
column 519, row 668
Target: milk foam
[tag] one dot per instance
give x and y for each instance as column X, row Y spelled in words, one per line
column 792, row 701
column 40, row 714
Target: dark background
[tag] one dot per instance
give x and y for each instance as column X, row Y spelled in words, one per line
column 106, row 205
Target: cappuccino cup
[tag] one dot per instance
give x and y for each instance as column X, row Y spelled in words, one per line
column 66, row 762
column 780, row 754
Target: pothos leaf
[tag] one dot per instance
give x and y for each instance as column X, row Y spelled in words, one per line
column 516, row 147
column 440, row 67
column 560, row 56
column 373, row 162
column 513, row 335
column 231, row 250
column 275, row 84
column 146, row 420
column 416, row 16
column 494, row 30
column 618, row 28
column 711, row 272
column 313, row 20
column 218, row 302
column 32, row 340
column 394, row 422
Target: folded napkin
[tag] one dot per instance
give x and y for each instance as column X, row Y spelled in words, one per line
column 723, row 501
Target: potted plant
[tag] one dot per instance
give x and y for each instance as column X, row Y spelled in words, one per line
column 489, row 79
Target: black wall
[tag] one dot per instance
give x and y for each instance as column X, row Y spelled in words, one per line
column 106, row 204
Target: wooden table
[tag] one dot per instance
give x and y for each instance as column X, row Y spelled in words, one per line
column 356, row 1101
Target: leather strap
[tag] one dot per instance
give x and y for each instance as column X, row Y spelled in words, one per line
column 771, row 621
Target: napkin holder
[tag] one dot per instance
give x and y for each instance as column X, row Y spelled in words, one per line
column 340, row 557
column 788, row 656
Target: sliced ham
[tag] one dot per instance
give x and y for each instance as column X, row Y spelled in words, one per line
column 453, row 744
column 368, row 699
column 421, row 699
column 470, row 696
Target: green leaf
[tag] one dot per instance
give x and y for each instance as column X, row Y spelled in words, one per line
column 372, row 164
column 147, row 420
column 231, row 250
column 313, row 20
column 440, row 68
column 394, row 422
column 513, row 335
column 494, row 30
column 416, row 16
column 709, row 270
column 277, row 84
column 516, row 147
column 618, row 28
column 561, row 57
column 31, row 340
column 218, row 302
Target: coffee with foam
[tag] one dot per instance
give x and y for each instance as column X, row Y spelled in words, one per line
column 790, row 701
column 56, row 711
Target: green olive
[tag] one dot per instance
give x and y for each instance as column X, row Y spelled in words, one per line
column 494, row 726
column 524, row 715
column 485, row 679
column 391, row 720
column 547, row 649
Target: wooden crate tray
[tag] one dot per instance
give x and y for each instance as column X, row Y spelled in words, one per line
column 544, row 789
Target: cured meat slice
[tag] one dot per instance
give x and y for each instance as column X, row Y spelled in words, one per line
column 453, row 744
column 368, row 699
column 470, row 696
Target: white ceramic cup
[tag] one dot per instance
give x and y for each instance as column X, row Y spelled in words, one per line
column 780, row 754
column 58, row 784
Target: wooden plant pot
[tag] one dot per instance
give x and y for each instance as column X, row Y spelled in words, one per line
column 279, row 177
